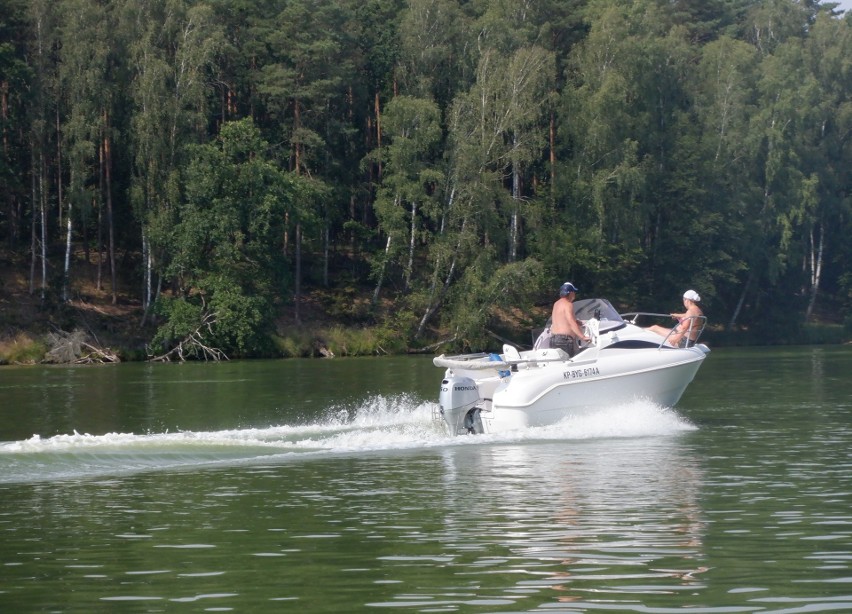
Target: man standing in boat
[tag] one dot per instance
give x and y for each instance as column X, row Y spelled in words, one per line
column 564, row 326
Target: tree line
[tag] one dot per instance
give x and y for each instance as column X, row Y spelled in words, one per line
column 463, row 158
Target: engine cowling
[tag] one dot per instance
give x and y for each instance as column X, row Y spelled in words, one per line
column 459, row 401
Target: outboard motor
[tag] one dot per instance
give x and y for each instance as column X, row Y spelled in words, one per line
column 458, row 400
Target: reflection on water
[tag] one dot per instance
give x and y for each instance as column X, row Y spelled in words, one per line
column 583, row 519
column 738, row 501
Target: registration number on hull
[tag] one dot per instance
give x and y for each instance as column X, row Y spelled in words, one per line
column 580, row 373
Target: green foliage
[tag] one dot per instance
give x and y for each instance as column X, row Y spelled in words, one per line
column 824, row 334
column 225, row 248
column 394, row 334
column 22, row 349
column 182, row 318
column 339, row 340
column 231, row 322
column 295, row 344
column 404, row 202
column 467, row 155
column 343, row 305
column 485, row 290
column 242, row 320
column 347, row 341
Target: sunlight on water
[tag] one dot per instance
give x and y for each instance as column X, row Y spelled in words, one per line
column 379, row 423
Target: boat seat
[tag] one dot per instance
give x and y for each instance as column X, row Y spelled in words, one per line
column 511, row 352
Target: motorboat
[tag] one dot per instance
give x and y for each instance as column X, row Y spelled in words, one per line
column 622, row 362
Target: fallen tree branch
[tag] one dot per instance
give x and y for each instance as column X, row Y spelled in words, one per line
column 433, row 347
column 74, row 348
column 97, row 355
column 194, row 345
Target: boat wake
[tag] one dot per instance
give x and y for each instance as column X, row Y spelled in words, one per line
column 378, row 424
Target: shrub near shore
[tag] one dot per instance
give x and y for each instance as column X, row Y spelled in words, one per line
column 21, row 349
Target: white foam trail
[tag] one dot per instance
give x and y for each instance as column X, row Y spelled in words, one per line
column 636, row 419
column 379, row 423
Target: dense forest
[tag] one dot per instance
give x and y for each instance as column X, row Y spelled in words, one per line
column 451, row 160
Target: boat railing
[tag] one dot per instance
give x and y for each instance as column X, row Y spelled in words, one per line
column 695, row 326
column 633, row 316
column 486, row 362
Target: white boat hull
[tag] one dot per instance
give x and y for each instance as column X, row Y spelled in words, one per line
column 558, row 400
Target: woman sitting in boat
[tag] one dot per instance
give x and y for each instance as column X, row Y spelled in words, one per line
column 564, row 326
column 688, row 322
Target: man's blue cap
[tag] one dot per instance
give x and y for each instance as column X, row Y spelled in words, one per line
column 567, row 288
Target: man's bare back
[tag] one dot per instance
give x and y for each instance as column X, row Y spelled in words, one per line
column 563, row 320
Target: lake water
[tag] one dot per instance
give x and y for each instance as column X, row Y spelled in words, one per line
column 325, row 486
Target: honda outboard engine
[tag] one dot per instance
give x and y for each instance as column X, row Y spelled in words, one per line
column 459, row 399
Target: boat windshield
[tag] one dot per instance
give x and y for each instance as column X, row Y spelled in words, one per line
column 598, row 308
